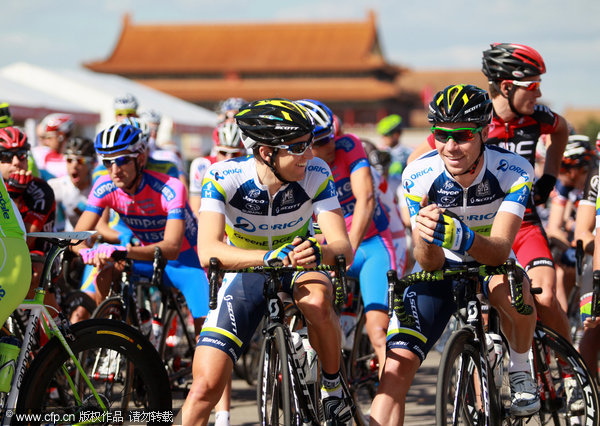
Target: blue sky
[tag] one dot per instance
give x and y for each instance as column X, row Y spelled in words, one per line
column 416, row 34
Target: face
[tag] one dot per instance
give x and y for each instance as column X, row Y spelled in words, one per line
column 459, row 157
column 324, row 149
column 121, row 115
column 12, row 164
column 523, row 99
column 391, row 140
column 293, row 167
column 79, row 168
column 52, row 140
column 223, row 155
column 124, row 174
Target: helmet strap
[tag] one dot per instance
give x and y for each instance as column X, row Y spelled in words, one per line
column 270, row 163
column 471, row 169
column 509, row 97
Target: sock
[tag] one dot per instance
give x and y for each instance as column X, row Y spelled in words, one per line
column 519, row 361
column 331, row 385
column 222, row 418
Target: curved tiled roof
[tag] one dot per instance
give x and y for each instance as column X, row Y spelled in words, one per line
column 244, row 47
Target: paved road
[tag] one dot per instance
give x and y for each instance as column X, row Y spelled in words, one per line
column 419, row 410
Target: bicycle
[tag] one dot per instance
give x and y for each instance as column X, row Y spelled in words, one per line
column 283, row 395
column 171, row 336
column 466, row 394
column 89, row 372
column 362, row 365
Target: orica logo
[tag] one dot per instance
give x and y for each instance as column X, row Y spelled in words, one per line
column 421, row 173
column 503, row 165
column 245, row 224
column 408, row 184
column 317, row 169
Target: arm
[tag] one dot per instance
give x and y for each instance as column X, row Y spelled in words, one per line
column 495, row 249
column 211, row 235
column 108, row 234
column 584, row 226
column 429, row 256
column 362, row 188
column 195, row 204
column 554, row 228
column 170, row 245
column 333, row 227
column 87, row 221
column 556, row 147
column 418, row 151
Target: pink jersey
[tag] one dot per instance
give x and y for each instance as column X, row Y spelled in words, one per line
column 159, row 198
column 349, row 157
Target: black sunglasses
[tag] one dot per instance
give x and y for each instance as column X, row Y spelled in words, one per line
column 7, row 156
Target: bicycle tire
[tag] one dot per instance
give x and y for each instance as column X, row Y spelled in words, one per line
column 563, row 356
column 362, row 371
column 456, row 399
column 134, row 380
column 111, row 308
column 75, row 299
column 273, row 393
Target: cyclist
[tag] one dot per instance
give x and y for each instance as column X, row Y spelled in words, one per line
column 367, row 219
column 263, row 203
column 5, row 116
column 466, row 202
column 125, row 106
column 72, row 190
column 575, row 167
column 227, row 109
column 227, row 144
column 390, row 128
column 154, row 207
column 54, row 131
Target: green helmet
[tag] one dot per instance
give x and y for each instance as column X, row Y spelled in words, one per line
column 5, row 117
column 390, row 124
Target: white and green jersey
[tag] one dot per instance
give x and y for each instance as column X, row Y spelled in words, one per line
column 11, row 222
column 254, row 219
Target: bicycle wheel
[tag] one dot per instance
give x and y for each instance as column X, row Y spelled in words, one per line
column 75, row 299
column 273, row 395
column 567, row 370
column 121, row 365
column 459, row 387
column 362, row 371
column 111, row 308
column 174, row 348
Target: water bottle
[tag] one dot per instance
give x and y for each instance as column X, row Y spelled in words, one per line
column 311, row 366
column 495, row 355
column 146, row 322
column 348, row 326
column 157, row 329
column 299, row 347
column 10, row 347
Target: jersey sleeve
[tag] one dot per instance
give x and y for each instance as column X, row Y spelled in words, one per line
column 353, row 152
column 547, row 119
column 197, row 170
column 174, row 197
column 518, row 186
column 98, row 199
column 322, row 186
column 213, row 194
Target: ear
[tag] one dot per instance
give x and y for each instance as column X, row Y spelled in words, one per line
column 265, row 152
column 505, row 87
column 484, row 133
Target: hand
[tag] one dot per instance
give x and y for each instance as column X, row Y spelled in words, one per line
column 307, row 252
column 100, row 255
column 18, row 181
column 451, row 233
column 279, row 256
column 542, row 189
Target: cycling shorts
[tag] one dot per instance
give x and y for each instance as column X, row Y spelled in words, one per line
column 184, row 273
column 374, row 257
column 240, row 308
column 531, row 246
column 15, row 274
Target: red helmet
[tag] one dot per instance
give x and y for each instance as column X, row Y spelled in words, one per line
column 59, row 123
column 12, row 138
column 511, row 61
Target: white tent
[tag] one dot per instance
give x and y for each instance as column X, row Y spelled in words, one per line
column 95, row 92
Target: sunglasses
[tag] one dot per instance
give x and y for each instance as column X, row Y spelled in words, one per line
column 125, row 112
column 79, row 160
column 530, row 86
column 323, row 141
column 119, row 161
column 297, row 148
column 461, row 135
column 231, row 154
column 7, row 156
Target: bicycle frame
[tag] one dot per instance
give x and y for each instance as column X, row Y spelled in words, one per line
column 38, row 311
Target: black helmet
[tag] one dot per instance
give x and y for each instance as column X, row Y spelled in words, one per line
column 81, row 147
column 578, row 152
column 510, row 61
column 273, row 122
column 461, row 103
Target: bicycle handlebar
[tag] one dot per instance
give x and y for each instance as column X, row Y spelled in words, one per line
column 215, row 272
column 397, row 286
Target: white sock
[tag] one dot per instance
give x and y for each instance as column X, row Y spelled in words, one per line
column 222, row 418
column 519, row 361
